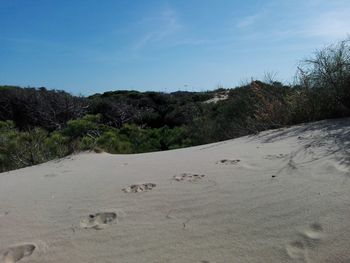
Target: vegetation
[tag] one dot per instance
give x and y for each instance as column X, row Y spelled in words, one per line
column 37, row 125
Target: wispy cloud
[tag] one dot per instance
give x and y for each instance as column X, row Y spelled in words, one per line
column 333, row 24
column 158, row 28
column 313, row 19
column 248, row 20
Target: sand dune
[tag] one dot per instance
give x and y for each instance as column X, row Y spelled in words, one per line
column 279, row 196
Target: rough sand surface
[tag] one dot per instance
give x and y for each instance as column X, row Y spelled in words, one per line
column 279, row 196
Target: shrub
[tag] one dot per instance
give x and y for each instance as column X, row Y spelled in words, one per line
column 88, row 125
column 58, row 145
column 112, row 142
column 325, row 80
column 19, row 149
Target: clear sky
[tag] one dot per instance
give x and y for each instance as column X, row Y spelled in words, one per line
column 88, row 46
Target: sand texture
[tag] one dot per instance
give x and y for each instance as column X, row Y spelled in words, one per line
column 278, row 196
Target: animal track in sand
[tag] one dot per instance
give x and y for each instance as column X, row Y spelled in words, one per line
column 308, row 240
column 137, row 188
column 188, row 177
column 231, row 162
column 98, row 221
column 16, row 253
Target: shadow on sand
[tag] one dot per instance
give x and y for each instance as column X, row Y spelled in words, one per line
column 331, row 135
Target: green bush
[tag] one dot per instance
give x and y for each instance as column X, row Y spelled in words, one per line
column 142, row 140
column 58, row 145
column 20, row 149
column 112, row 142
column 86, row 143
column 89, row 124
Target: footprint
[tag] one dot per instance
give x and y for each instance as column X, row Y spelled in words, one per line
column 188, row 177
column 50, row 175
column 309, row 239
column 231, row 162
column 185, row 220
column 313, row 234
column 98, row 221
column 136, row 188
column 296, row 250
column 275, row 156
column 16, row 253
column 4, row 213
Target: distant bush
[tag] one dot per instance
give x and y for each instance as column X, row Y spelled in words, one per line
column 47, row 109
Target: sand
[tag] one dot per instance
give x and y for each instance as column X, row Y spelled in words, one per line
column 278, row 196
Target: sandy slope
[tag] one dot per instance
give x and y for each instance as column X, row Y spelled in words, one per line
column 287, row 199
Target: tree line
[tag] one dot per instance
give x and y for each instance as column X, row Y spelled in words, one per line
column 37, row 124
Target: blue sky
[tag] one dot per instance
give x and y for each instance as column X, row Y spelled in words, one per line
column 93, row 46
